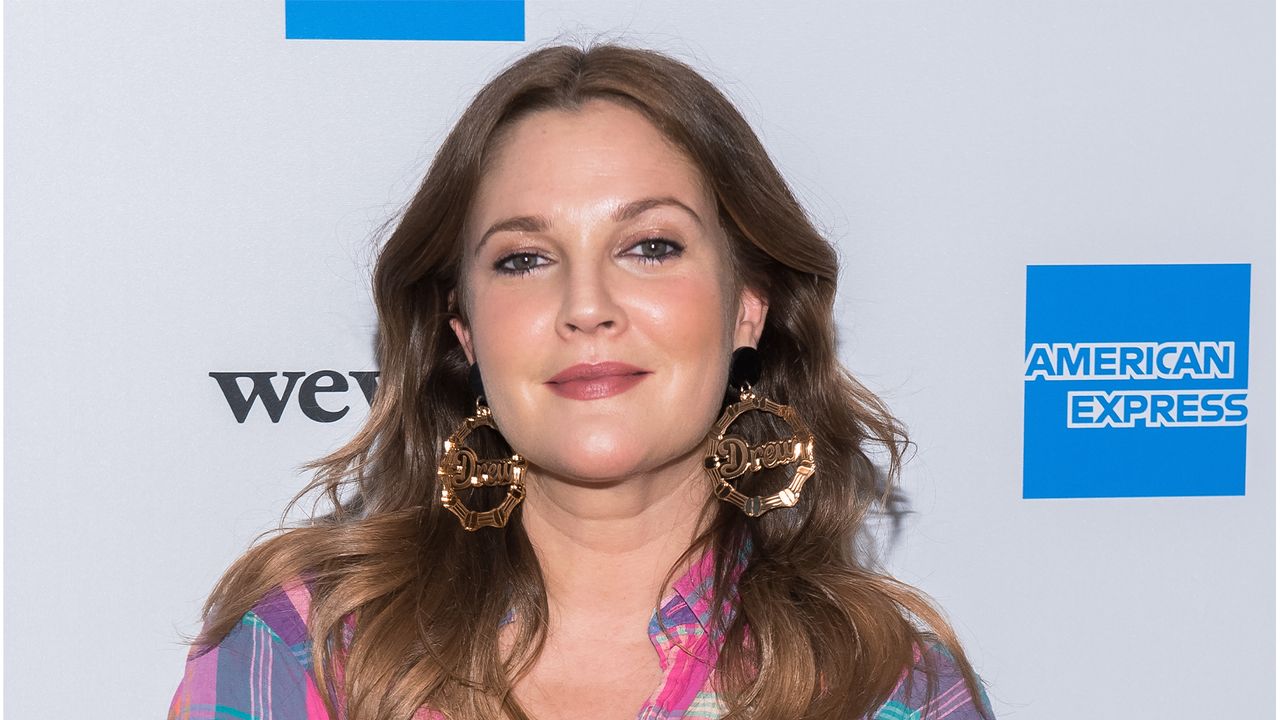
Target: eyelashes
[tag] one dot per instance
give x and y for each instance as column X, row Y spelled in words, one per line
column 651, row 249
column 654, row 250
column 518, row 263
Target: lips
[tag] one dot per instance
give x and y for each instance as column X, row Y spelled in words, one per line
column 595, row 381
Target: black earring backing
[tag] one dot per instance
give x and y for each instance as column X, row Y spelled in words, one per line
column 744, row 368
column 475, row 382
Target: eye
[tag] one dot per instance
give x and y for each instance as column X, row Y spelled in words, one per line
column 656, row 249
column 519, row 263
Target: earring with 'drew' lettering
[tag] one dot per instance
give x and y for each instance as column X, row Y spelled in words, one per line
column 460, row 469
column 729, row 457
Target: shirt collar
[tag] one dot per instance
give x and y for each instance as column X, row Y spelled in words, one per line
column 684, row 621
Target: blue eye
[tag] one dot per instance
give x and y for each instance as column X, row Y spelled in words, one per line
column 519, row 263
column 656, row 249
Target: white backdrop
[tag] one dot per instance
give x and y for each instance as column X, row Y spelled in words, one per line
column 188, row 192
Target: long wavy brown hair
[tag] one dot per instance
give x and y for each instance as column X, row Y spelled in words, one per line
column 829, row 635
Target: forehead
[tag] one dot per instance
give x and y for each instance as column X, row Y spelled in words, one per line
column 601, row 152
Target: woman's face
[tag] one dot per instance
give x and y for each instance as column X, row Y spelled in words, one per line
column 599, row 297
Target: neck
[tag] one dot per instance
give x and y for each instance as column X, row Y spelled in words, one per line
column 605, row 549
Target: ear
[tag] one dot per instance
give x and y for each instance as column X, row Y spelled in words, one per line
column 464, row 338
column 752, row 309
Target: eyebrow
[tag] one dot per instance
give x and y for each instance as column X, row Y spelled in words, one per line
column 632, row 209
column 538, row 223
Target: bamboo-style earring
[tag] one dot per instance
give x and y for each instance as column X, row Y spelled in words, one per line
column 729, row 456
column 460, row 469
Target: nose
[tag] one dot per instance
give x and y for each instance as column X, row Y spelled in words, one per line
column 589, row 305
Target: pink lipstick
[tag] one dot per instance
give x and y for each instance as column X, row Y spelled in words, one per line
column 593, row 382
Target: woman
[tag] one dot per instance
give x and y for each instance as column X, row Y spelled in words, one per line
column 610, row 420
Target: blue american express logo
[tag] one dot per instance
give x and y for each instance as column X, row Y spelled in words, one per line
column 1132, row 389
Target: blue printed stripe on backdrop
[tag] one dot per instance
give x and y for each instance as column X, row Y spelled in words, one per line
column 404, row 19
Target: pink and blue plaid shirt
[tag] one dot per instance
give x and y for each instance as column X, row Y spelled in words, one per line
column 261, row 669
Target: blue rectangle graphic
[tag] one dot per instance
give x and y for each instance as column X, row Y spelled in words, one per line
column 404, row 20
column 1136, row 380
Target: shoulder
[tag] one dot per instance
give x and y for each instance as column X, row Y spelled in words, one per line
column 285, row 611
column 281, row 617
column 950, row 698
column 262, row 664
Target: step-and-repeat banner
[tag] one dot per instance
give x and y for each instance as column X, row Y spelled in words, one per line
column 1057, row 228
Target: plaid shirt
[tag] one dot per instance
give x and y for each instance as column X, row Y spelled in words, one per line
column 261, row 669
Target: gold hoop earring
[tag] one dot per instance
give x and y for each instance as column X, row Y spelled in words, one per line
column 461, row 469
column 729, row 456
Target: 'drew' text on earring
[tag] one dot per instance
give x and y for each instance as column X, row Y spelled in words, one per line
column 729, row 456
column 460, row 469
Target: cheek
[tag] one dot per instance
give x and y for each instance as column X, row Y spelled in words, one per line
column 508, row 327
column 686, row 324
column 685, row 305
column 689, row 311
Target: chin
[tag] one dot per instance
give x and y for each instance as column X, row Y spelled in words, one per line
column 596, row 467
column 600, row 458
